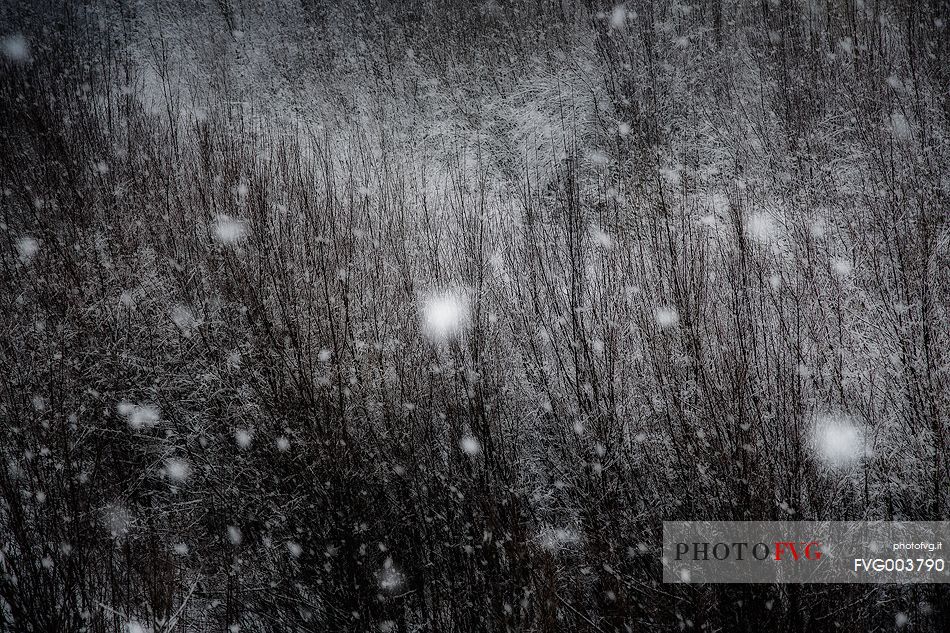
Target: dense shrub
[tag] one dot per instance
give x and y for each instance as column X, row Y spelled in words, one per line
column 424, row 317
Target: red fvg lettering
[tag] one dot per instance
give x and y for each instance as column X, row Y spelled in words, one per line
column 811, row 550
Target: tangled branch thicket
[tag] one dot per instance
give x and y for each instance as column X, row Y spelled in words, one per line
column 666, row 243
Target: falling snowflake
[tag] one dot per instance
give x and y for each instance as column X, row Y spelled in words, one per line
column 389, row 578
column 15, row 48
column 837, row 440
column 243, row 438
column 139, row 416
column 228, row 230
column 841, row 267
column 720, row 203
column 445, row 315
column 601, row 238
column 134, row 627
column 234, row 535
column 283, row 444
column 234, row 360
column 470, row 445
column 554, row 539
column 27, row 247
column 761, row 228
column 116, row 519
column 900, row 126
column 497, row 261
column 295, row 549
column 667, row 317
column 184, row 318
column 672, row 175
column 177, row 470
column 598, row 157
column 618, row 17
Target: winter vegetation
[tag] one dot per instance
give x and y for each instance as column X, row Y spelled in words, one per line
column 424, row 315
